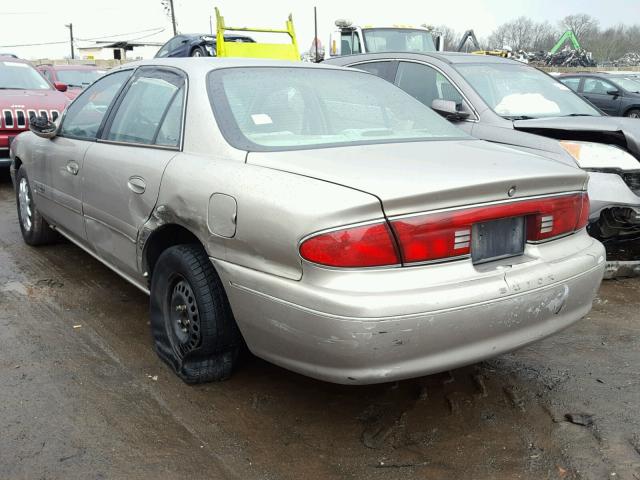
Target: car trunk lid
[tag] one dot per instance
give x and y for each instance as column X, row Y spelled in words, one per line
column 419, row 176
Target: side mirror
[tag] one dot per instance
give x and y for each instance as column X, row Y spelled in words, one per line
column 43, row 127
column 613, row 92
column 61, row 87
column 449, row 109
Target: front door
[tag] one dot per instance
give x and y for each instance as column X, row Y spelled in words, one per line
column 599, row 92
column 65, row 157
column 123, row 170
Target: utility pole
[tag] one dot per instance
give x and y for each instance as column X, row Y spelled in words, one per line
column 173, row 18
column 70, row 27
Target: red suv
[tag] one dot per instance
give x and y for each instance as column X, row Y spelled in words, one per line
column 75, row 77
column 24, row 93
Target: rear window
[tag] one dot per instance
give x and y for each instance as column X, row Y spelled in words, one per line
column 283, row 108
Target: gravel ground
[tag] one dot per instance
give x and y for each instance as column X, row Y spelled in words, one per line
column 82, row 395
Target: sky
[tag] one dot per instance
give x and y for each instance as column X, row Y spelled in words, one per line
column 40, row 21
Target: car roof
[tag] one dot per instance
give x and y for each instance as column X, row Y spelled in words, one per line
column 600, row 74
column 11, row 59
column 73, row 67
column 202, row 65
column 447, row 57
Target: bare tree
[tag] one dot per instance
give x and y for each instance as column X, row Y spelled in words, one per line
column 450, row 37
column 581, row 24
column 518, row 34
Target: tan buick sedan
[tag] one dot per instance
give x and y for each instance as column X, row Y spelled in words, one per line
column 320, row 215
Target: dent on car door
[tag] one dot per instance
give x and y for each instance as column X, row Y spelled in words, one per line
column 66, row 152
column 124, row 169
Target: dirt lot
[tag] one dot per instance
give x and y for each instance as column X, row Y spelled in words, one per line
column 82, row 395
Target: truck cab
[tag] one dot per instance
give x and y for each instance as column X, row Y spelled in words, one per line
column 348, row 39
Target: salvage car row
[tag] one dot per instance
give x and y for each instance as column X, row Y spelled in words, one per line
column 328, row 220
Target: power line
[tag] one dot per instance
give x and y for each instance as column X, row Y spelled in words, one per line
column 159, row 29
column 155, row 31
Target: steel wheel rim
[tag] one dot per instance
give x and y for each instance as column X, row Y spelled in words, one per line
column 184, row 317
column 24, row 201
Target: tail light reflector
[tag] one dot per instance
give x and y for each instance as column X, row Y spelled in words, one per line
column 360, row 246
column 436, row 236
column 441, row 235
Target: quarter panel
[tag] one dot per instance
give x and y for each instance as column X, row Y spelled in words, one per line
column 275, row 210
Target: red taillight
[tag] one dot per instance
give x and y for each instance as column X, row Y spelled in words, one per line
column 435, row 236
column 363, row 246
column 441, row 235
column 558, row 216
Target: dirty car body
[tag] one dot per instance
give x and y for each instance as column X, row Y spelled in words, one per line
column 506, row 102
column 357, row 236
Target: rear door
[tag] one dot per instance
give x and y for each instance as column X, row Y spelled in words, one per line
column 123, row 170
column 595, row 90
column 65, row 154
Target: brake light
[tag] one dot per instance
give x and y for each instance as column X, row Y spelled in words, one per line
column 436, row 236
column 361, row 246
column 441, row 235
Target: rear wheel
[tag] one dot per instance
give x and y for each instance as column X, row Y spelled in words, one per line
column 193, row 327
column 633, row 113
column 198, row 52
column 35, row 229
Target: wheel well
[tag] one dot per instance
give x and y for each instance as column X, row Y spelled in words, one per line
column 17, row 163
column 632, row 107
column 165, row 237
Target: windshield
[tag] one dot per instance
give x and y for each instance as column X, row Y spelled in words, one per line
column 21, row 76
column 79, row 78
column 629, row 84
column 520, row 92
column 397, row 40
column 271, row 108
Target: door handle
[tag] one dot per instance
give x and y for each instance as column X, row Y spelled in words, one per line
column 137, row 185
column 73, row 167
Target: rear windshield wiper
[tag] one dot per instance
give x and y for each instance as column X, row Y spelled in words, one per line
column 579, row 115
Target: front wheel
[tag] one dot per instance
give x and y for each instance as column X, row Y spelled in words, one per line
column 193, row 327
column 198, row 52
column 633, row 113
column 35, row 229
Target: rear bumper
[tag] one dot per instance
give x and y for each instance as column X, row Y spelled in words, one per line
column 435, row 328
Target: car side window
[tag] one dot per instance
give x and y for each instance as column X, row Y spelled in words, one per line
column 426, row 83
column 150, row 110
column 381, row 69
column 47, row 75
column 597, row 86
column 169, row 133
column 164, row 50
column 350, row 43
column 84, row 116
column 572, row 83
